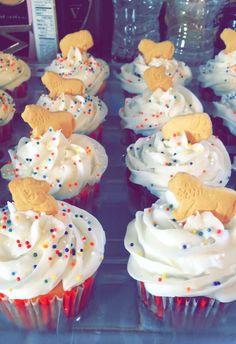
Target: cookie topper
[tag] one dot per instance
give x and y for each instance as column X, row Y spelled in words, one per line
column 193, row 196
column 155, row 77
column 40, row 120
column 228, row 36
column 151, row 49
column 197, row 127
column 32, row 194
column 82, row 40
column 57, row 85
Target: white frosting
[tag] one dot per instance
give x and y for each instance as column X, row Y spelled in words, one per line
column 219, row 73
column 68, row 165
column 7, row 108
column 226, row 109
column 131, row 75
column 153, row 161
column 195, row 257
column 89, row 111
column 13, row 71
column 85, row 67
column 147, row 113
column 39, row 251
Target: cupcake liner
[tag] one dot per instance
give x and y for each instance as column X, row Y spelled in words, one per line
column 86, row 196
column 20, row 91
column 208, row 94
column 139, row 196
column 129, row 137
column 182, row 312
column 44, row 312
column 129, row 95
column 97, row 133
column 223, row 131
column 5, row 131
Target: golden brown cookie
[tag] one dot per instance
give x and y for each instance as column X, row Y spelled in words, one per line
column 228, row 36
column 155, row 77
column 82, row 40
column 40, row 120
column 150, row 49
column 32, row 194
column 193, row 196
column 57, row 85
column 197, row 127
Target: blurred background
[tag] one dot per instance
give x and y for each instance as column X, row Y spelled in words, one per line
column 32, row 28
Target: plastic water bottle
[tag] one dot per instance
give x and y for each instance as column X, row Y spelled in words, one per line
column 191, row 28
column 133, row 20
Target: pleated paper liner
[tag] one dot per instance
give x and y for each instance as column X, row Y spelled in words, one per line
column 44, row 311
column 183, row 312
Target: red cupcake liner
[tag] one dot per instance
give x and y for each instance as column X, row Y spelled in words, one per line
column 97, row 133
column 208, row 94
column 20, row 91
column 5, row 131
column 182, row 312
column 139, row 196
column 44, row 312
column 130, row 137
column 129, row 95
column 86, row 196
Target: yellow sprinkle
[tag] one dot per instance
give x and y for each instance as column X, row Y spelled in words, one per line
column 78, row 278
column 45, row 245
column 10, row 290
column 54, row 277
column 194, row 231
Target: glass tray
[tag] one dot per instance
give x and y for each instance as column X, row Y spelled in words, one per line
column 114, row 313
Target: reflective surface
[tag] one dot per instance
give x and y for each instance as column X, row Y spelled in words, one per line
column 114, row 313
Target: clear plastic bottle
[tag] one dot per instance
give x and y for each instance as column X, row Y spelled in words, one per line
column 191, row 28
column 133, row 20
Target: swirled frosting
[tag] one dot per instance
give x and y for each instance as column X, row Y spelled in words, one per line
column 226, row 109
column 219, row 73
column 153, row 161
column 195, row 257
column 84, row 66
column 7, row 108
column 39, row 251
column 66, row 164
column 146, row 113
column 13, row 71
column 89, row 111
column 131, row 74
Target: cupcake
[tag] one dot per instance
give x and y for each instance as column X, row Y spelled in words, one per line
column 14, row 74
column 226, row 109
column 185, row 144
column 75, row 62
column 218, row 76
column 146, row 113
column 182, row 252
column 153, row 55
column 72, row 164
column 88, row 111
column 50, row 252
column 7, row 111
